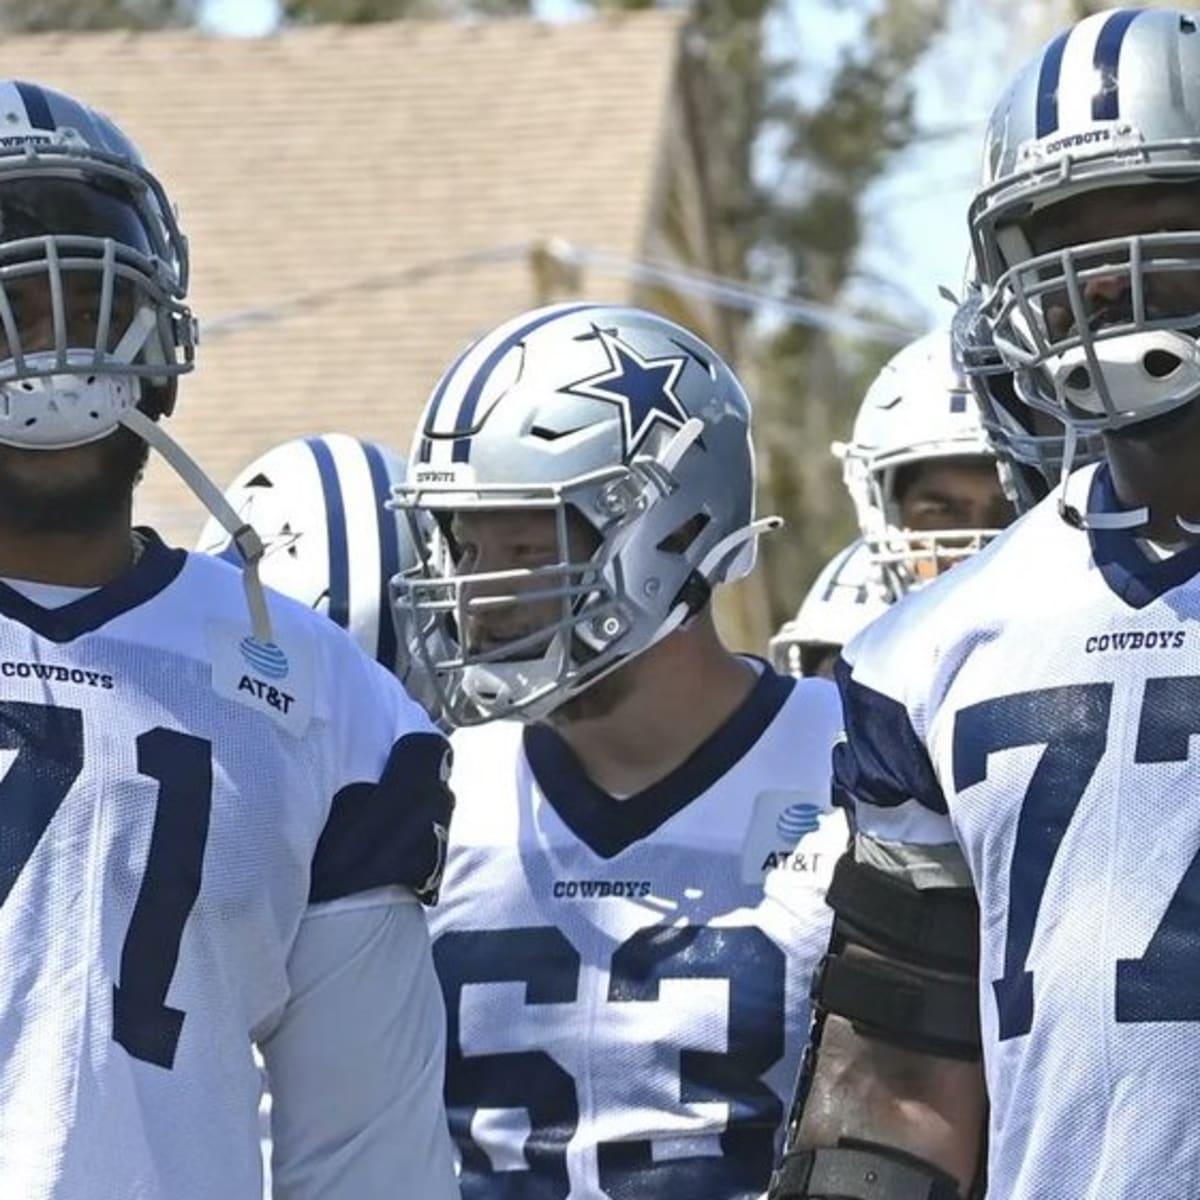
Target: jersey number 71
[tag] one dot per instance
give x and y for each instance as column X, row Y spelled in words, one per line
column 49, row 747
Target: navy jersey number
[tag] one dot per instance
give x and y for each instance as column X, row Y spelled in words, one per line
column 544, row 960
column 50, row 752
column 1072, row 724
column 548, row 965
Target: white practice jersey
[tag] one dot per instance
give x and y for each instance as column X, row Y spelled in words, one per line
column 176, row 801
column 627, row 981
column 1037, row 706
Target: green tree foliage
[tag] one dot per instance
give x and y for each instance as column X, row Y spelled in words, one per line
column 43, row 16
column 807, row 382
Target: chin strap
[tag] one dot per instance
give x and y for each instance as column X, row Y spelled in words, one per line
column 1130, row 518
column 244, row 537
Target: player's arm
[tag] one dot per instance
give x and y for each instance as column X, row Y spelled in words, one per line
column 891, row 1102
column 355, row 1064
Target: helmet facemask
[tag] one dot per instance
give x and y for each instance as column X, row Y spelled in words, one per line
column 91, row 318
column 906, row 558
column 1104, row 365
column 1094, row 363
column 580, row 593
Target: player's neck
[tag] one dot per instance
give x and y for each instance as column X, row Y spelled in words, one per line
column 90, row 559
column 680, row 693
column 1159, row 471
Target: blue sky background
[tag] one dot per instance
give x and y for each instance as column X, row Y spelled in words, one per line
column 917, row 215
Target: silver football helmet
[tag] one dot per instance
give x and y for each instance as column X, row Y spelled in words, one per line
column 845, row 598
column 918, row 408
column 329, row 541
column 613, row 420
column 1112, row 102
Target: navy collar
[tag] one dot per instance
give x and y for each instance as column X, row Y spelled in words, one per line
column 1129, row 571
column 157, row 567
column 607, row 825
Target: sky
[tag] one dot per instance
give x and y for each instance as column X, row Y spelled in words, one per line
column 917, row 231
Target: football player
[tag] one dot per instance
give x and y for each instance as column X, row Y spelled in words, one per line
column 634, row 892
column 217, row 813
column 1025, row 883
column 922, row 477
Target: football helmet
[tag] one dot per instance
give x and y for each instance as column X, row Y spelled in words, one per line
column 93, row 275
column 918, row 408
column 609, row 418
column 1112, row 102
column 318, row 504
column 1030, row 445
column 845, row 598
column 94, row 331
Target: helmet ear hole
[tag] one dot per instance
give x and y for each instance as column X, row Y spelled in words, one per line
column 682, row 536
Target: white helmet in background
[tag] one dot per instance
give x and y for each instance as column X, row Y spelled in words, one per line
column 845, row 598
column 318, row 504
column 918, row 409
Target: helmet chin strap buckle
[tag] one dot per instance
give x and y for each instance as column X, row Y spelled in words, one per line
column 1132, row 518
column 248, row 542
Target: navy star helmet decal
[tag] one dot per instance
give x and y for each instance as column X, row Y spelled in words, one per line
column 283, row 538
column 643, row 388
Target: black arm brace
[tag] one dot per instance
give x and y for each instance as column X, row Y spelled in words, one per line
column 859, row 1171
column 898, row 999
column 922, row 995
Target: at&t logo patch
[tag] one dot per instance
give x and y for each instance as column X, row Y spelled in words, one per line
column 796, row 820
column 777, row 837
column 264, row 657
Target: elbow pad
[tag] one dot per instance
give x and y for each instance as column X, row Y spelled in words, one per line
column 923, row 995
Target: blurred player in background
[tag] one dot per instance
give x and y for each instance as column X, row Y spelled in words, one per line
column 921, row 474
column 216, row 811
column 633, row 901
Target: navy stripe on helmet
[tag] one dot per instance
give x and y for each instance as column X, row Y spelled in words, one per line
column 842, row 559
column 435, row 402
column 37, row 107
column 1106, row 103
column 466, row 414
column 389, row 553
column 1047, row 89
column 335, row 524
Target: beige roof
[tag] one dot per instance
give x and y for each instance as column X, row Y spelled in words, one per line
column 371, row 192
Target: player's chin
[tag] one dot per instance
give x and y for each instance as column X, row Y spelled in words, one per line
column 1182, row 421
column 596, row 702
column 75, row 491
